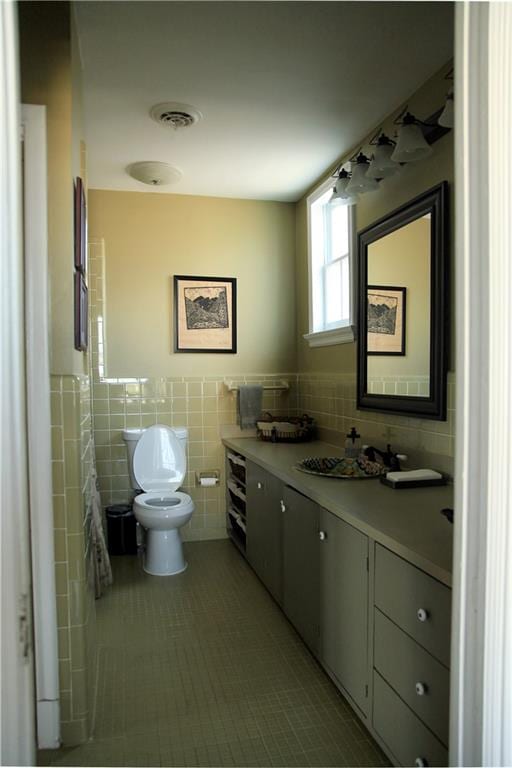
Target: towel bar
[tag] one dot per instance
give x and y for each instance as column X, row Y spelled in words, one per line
column 280, row 386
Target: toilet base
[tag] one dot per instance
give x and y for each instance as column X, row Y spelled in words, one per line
column 164, row 553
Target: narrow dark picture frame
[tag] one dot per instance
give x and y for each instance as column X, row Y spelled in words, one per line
column 231, row 329
column 403, row 291
column 80, row 250
column 81, row 313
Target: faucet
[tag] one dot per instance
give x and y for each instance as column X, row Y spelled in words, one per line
column 389, row 459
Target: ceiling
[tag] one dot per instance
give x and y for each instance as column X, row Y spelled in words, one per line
column 285, row 88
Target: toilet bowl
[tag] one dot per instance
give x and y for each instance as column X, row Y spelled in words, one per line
column 157, row 464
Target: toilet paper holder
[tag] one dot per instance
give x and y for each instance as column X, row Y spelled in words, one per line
column 207, row 478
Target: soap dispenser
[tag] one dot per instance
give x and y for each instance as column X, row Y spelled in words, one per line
column 352, row 444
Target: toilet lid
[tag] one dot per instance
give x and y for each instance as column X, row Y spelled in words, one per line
column 159, row 461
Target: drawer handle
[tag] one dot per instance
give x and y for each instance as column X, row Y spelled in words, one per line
column 421, row 689
column 259, row 486
column 283, row 506
column 420, row 762
column 322, row 535
column 422, row 614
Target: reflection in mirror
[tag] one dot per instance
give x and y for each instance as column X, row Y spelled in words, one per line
column 398, row 337
column 403, row 309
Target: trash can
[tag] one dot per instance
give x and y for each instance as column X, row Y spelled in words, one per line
column 121, row 530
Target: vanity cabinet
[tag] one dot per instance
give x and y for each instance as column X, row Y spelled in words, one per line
column 264, row 527
column 377, row 621
column 344, row 604
column 411, row 654
column 301, row 566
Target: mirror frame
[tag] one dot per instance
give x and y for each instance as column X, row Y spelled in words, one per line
column 435, row 202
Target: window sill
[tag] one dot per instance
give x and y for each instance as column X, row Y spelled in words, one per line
column 343, row 335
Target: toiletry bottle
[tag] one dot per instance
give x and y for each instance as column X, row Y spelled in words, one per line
column 352, row 444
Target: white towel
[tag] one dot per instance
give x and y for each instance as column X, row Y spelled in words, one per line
column 414, row 474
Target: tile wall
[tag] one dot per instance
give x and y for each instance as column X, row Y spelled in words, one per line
column 331, row 400
column 71, row 468
column 202, row 404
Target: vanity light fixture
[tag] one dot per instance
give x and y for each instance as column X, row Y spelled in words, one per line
column 411, row 144
column 340, row 196
column 381, row 165
column 446, row 118
column 360, row 182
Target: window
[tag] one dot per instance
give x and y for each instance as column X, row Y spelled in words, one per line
column 330, row 241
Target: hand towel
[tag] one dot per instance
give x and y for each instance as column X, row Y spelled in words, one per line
column 249, row 404
column 414, row 474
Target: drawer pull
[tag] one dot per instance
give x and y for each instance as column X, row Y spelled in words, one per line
column 283, row 506
column 422, row 614
column 259, row 486
column 420, row 762
column 322, row 535
column 421, row 689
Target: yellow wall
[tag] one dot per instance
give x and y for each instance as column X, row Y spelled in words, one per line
column 151, row 237
column 402, row 258
column 47, row 78
column 412, row 180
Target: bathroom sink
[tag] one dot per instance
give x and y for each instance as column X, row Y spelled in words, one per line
column 344, row 469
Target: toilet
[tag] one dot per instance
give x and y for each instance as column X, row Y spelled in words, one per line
column 157, row 463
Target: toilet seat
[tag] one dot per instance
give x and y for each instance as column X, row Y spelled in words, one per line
column 164, row 503
column 159, row 461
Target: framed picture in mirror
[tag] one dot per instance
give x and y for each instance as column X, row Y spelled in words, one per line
column 386, row 319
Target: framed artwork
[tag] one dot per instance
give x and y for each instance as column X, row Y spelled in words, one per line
column 386, row 320
column 81, row 313
column 80, row 227
column 204, row 314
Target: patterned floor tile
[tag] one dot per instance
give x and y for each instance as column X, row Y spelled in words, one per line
column 203, row 669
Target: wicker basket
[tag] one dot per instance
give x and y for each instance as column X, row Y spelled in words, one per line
column 294, row 429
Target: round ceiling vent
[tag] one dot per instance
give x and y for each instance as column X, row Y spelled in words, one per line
column 154, row 173
column 175, row 115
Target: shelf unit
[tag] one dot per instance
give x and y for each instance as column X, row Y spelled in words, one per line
column 236, row 519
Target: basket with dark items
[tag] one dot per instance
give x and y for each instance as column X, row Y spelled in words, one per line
column 337, row 466
column 293, row 429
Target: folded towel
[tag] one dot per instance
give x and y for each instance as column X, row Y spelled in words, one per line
column 249, row 404
column 414, row 474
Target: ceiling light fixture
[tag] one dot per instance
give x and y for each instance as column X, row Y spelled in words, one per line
column 154, row 173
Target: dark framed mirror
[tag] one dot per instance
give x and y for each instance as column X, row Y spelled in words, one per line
column 403, row 309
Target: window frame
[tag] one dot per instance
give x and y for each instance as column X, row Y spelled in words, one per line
column 341, row 332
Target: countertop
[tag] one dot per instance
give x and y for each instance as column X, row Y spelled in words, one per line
column 406, row 521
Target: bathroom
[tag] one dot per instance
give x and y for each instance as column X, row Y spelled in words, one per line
column 80, row 60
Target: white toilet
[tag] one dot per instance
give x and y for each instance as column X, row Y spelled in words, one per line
column 157, row 463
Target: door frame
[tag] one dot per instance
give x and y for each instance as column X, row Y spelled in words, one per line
column 37, row 334
column 18, row 721
column 481, row 675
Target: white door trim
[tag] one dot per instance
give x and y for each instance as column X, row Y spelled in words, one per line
column 497, row 702
column 481, row 685
column 39, row 426
column 18, row 728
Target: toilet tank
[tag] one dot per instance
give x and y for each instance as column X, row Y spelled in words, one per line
column 131, row 437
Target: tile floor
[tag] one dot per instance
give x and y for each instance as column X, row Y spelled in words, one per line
column 203, row 669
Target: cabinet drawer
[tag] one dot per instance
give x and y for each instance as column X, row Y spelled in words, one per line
column 408, row 739
column 404, row 665
column 419, row 604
